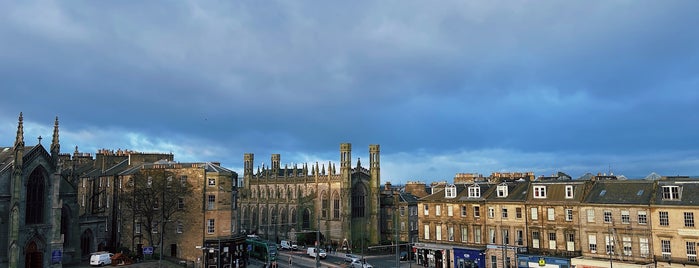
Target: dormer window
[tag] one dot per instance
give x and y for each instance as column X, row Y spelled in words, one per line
column 474, row 191
column 502, row 190
column 569, row 191
column 450, row 191
column 540, row 191
column 672, row 192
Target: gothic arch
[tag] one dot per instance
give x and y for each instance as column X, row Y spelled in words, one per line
column 306, row 224
column 87, row 243
column 245, row 221
column 292, row 216
column 254, row 217
column 33, row 254
column 324, row 205
column 66, row 223
column 36, row 196
column 336, row 205
column 359, row 193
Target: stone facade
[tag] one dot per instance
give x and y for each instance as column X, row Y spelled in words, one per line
column 293, row 202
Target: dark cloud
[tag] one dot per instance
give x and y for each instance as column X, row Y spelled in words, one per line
column 611, row 79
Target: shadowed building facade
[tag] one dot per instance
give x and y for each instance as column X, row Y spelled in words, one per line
column 293, row 202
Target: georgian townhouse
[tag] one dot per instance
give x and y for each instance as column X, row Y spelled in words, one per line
column 506, row 223
column 672, row 218
column 452, row 226
column 552, row 217
column 615, row 229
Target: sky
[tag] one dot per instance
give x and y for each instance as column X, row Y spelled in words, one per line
column 444, row 87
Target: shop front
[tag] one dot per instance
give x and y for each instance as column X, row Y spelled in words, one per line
column 526, row 261
column 432, row 255
column 228, row 252
column 469, row 258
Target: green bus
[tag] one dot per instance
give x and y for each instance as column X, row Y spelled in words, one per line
column 261, row 249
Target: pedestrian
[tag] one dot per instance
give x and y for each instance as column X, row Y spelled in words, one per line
column 289, row 261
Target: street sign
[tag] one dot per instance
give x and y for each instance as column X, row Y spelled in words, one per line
column 148, row 250
column 56, row 256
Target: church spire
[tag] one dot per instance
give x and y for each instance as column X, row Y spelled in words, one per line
column 19, row 140
column 55, row 146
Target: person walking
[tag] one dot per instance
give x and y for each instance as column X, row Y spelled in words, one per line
column 289, row 261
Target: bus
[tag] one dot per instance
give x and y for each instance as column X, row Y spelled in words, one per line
column 261, row 249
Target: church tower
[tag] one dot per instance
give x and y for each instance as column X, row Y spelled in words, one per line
column 247, row 170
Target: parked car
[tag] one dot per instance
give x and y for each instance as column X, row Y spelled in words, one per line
column 313, row 251
column 100, row 258
column 360, row 264
column 351, row 257
column 288, row 245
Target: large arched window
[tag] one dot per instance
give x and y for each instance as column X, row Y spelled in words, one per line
column 245, row 219
column 306, row 219
column 65, row 225
column 254, row 218
column 35, row 197
column 292, row 216
column 336, row 205
column 358, row 201
column 325, row 204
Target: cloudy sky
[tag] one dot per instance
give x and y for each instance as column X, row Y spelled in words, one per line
column 444, row 87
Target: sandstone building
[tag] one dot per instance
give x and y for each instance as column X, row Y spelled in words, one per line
column 292, row 202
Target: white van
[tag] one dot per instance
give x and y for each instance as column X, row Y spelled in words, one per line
column 312, row 252
column 101, row 258
column 288, row 245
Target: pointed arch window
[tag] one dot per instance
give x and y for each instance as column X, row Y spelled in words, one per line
column 325, row 203
column 36, row 193
column 358, row 201
column 336, row 206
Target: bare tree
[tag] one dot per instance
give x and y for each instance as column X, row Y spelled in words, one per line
column 154, row 196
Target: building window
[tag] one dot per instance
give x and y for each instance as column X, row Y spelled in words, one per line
column 643, row 246
column 491, row 235
column 210, row 226
column 183, row 180
column 504, row 213
column 493, row 261
column 505, row 236
column 592, row 241
column 520, row 237
column 438, row 232
column 626, row 243
column 325, row 205
column 402, row 211
column 474, row 191
column 570, row 241
column 607, row 217
column 180, row 227
column 666, row 249
column 427, row 232
column 212, row 181
column 671, row 192
column 476, row 211
column 438, row 210
column 552, row 240
column 35, row 196
column 691, row 251
column 502, row 190
column 450, row 233
column 180, row 203
column 477, row 234
column 569, row 191
column 642, row 217
column 535, row 213
column 664, row 219
column 590, row 215
column 551, row 214
column 427, row 209
column 625, row 217
column 540, row 191
column 569, row 214
column 138, row 228
column 536, row 236
column 336, row 207
column 491, row 212
column 464, row 234
column 450, row 191
column 518, row 213
column 212, row 202
column 450, row 210
column 155, row 228
column 689, row 219
column 609, row 242
column 463, row 211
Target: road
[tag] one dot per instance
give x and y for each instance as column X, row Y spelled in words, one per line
column 300, row 259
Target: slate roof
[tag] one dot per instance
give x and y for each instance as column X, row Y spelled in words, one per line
column 516, row 192
column 637, row 192
column 688, row 192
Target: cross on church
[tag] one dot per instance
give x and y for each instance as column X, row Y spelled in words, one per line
column 39, row 139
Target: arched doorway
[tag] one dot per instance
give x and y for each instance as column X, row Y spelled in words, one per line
column 86, row 243
column 33, row 257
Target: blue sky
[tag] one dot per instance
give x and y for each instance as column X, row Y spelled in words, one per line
column 444, row 87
